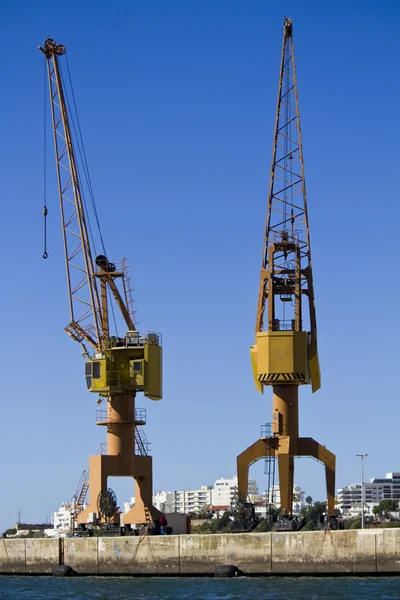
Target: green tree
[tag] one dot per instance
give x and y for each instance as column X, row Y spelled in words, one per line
column 223, row 523
column 219, row 525
column 205, row 514
column 355, row 523
column 313, row 515
column 390, row 505
column 386, row 506
column 272, row 511
column 206, row 527
column 10, row 531
column 263, row 525
column 308, row 500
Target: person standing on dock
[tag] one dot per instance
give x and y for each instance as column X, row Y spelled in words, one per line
column 163, row 525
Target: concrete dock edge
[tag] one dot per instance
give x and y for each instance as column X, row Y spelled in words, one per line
column 368, row 551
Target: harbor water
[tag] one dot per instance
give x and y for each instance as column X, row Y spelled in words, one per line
column 243, row 588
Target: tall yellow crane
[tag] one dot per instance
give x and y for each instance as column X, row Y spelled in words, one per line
column 117, row 367
column 285, row 353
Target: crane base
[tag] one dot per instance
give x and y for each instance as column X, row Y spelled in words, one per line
column 138, row 467
column 285, row 448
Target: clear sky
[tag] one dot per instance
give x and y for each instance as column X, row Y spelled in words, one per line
column 177, row 106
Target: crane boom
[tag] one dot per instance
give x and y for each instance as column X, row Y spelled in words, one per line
column 286, row 278
column 84, row 302
column 286, row 270
column 287, row 199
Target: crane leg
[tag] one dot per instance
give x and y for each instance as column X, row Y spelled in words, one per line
column 97, row 482
column 143, row 511
column 309, row 447
column 286, row 474
column 281, row 446
column 262, row 448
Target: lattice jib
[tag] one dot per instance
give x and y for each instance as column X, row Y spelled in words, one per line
column 83, row 294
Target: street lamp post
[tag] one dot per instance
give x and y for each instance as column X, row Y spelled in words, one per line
column 362, row 456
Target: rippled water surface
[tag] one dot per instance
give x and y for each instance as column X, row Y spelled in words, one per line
column 267, row 588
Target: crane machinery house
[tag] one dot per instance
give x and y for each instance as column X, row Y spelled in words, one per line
column 134, row 363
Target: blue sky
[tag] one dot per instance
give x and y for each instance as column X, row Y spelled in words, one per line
column 177, row 105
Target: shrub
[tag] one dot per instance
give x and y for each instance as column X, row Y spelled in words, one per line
column 10, row 531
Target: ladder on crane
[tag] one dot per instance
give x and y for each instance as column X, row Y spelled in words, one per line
column 142, row 446
column 269, row 471
column 83, row 485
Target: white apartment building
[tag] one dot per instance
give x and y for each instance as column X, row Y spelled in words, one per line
column 181, row 501
column 222, row 494
column 164, row 501
column 348, row 501
column 63, row 519
column 274, row 497
column 225, row 491
column 188, row 501
column 349, row 497
column 387, row 488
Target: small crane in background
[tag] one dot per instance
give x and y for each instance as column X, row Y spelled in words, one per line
column 117, row 366
column 285, row 354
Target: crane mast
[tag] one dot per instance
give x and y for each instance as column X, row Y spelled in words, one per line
column 285, row 353
column 116, row 368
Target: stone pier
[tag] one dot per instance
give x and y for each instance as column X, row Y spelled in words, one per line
column 368, row 551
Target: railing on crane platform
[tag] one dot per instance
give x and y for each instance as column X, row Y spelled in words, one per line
column 266, row 430
column 103, row 418
column 135, row 339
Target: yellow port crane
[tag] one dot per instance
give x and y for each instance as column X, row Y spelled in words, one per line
column 285, row 354
column 116, row 367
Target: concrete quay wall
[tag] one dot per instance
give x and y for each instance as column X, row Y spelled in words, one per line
column 371, row 551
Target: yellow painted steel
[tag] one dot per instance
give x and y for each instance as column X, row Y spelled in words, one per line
column 136, row 373
column 280, row 356
column 127, row 370
column 254, row 366
column 315, row 372
column 153, row 371
column 96, row 375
